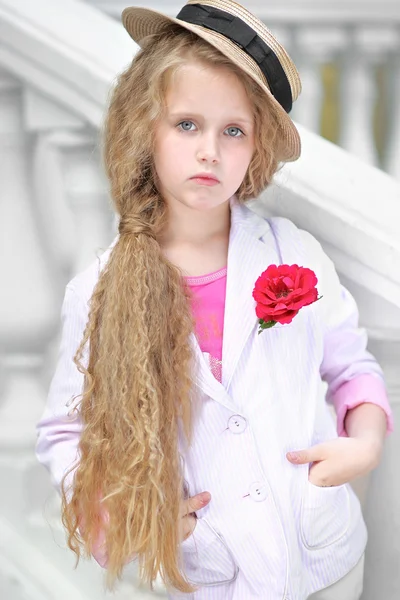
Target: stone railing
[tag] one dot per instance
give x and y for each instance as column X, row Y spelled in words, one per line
column 348, row 55
column 55, row 73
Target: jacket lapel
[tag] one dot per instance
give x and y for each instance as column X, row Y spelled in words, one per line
column 252, row 247
column 206, row 381
column 248, row 257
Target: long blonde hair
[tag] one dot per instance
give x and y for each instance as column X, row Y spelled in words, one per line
column 138, row 378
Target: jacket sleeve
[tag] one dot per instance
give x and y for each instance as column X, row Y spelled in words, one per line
column 59, row 428
column 351, row 372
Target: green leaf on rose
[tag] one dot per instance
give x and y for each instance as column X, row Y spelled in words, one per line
column 265, row 325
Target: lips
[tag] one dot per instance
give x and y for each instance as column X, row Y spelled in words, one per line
column 205, row 177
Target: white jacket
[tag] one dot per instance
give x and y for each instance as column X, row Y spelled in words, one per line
column 268, row 532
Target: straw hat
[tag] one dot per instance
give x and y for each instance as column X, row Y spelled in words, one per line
column 246, row 41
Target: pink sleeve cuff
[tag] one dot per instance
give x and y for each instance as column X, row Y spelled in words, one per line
column 360, row 390
column 99, row 549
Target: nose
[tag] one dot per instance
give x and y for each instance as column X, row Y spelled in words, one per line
column 208, row 151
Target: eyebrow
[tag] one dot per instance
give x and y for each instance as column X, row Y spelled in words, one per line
column 189, row 113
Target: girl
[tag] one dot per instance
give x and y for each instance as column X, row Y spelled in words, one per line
column 177, row 434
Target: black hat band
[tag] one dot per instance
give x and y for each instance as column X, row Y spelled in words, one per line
column 244, row 36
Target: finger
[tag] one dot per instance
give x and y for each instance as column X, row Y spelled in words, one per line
column 307, row 455
column 195, row 503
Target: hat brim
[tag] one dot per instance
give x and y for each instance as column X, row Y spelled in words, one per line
column 142, row 22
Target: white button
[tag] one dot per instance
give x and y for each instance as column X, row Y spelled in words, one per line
column 237, row 424
column 258, row 491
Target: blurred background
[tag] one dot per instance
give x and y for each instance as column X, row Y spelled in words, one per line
column 58, row 60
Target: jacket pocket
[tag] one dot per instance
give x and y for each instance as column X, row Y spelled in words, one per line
column 206, row 559
column 325, row 514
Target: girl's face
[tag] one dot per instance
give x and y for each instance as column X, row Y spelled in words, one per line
column 207, row 129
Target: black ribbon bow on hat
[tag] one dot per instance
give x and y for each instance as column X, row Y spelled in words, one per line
column 243, row 35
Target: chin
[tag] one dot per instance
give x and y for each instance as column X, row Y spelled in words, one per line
column 204, row 202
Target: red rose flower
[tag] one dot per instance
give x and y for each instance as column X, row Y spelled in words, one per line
column 281, row 291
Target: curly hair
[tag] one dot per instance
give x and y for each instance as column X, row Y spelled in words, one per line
column 138, row 376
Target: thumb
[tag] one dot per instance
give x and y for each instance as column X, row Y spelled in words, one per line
column 197, row 502
column 307, row 455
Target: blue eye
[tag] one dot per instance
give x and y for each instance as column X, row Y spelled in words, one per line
column 186, row 125
column 234, row 132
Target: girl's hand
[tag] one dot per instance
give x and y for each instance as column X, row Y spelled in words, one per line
column 339, row 461
column 188, row 513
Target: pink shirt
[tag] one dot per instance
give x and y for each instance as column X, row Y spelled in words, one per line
column 208, row 306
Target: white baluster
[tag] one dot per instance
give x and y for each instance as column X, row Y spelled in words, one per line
column 392, row 150
column 381, row 509
column 54, row 213
column 87, row 195
column 365, row 50
column 28, row 310
column 68, row 179
column 315, row 46
column 358, row 99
